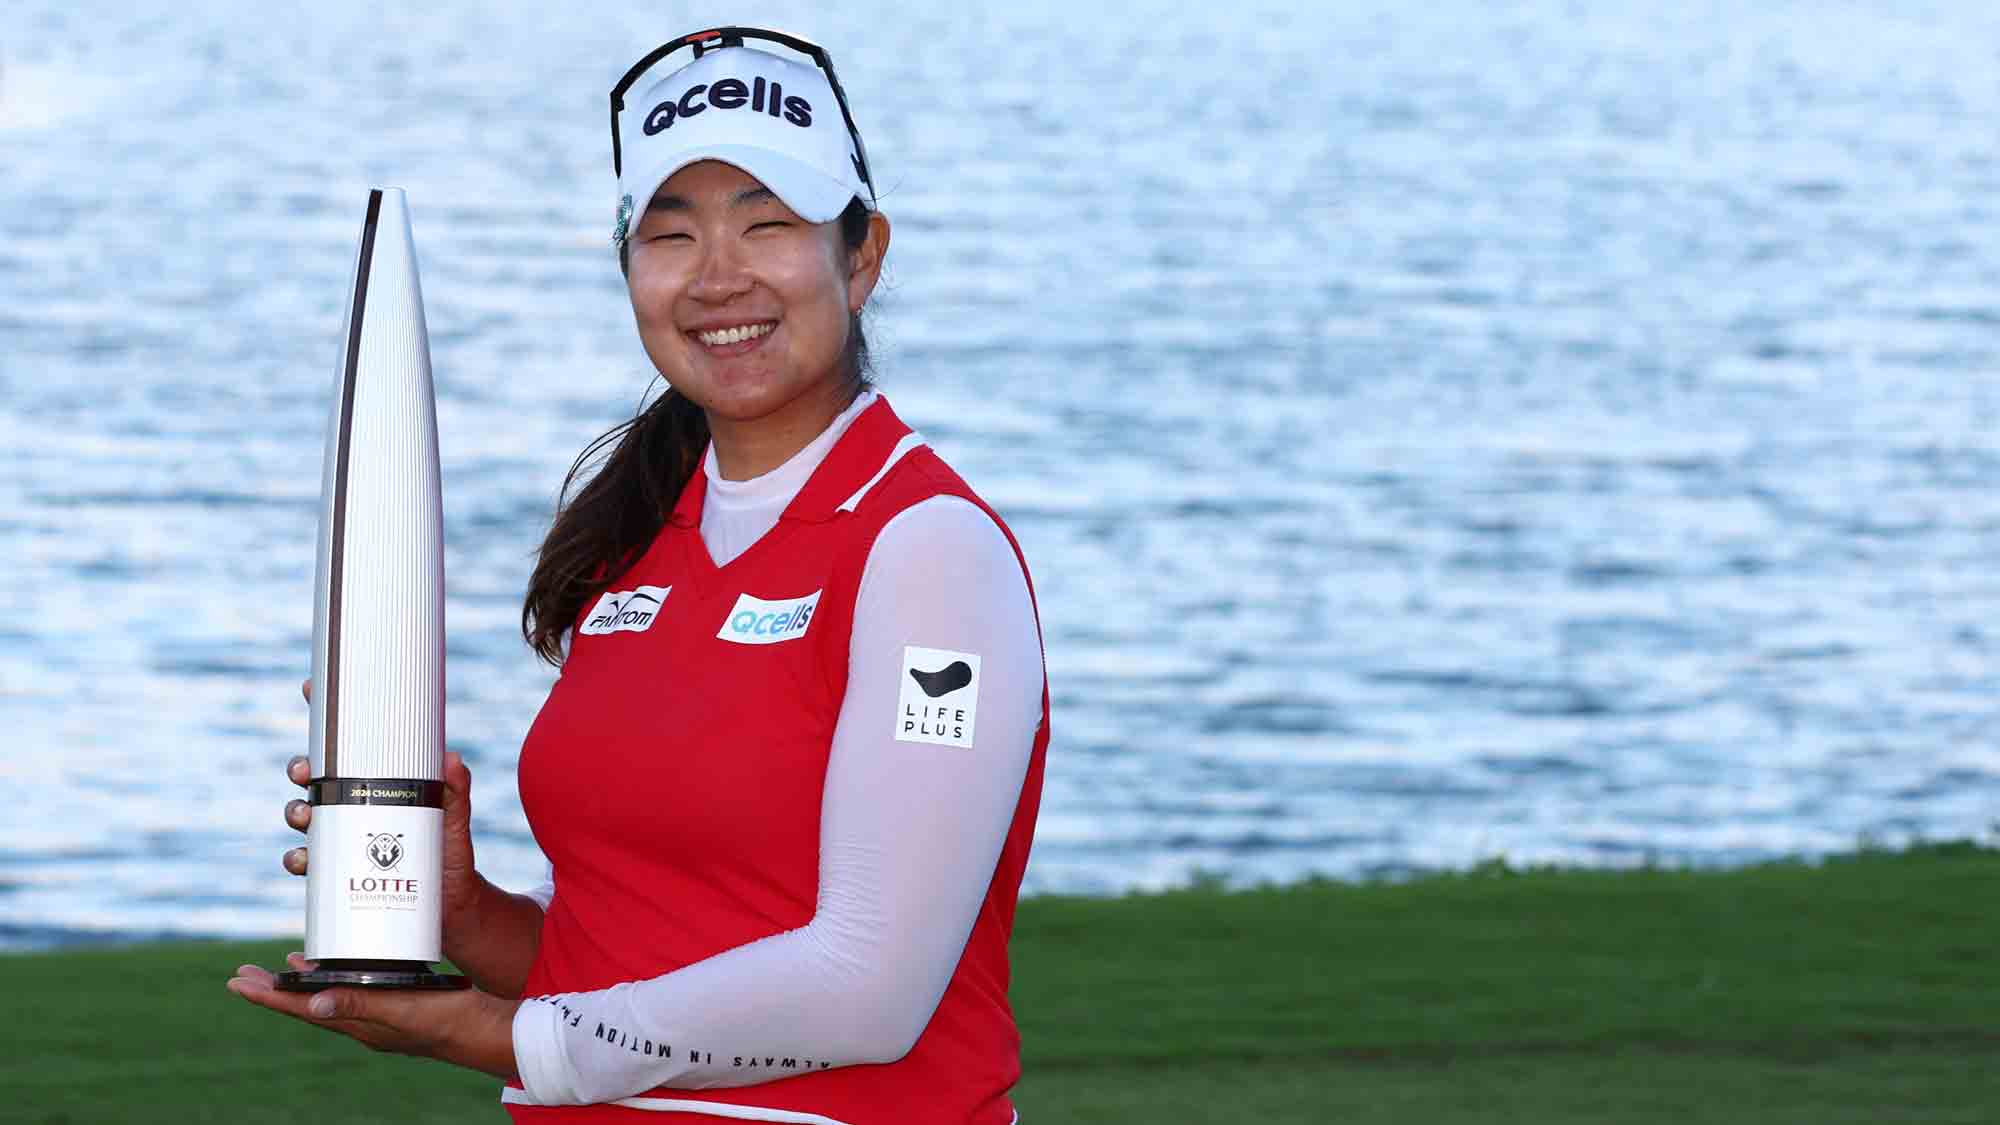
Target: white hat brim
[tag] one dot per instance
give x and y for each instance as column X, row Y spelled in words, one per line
column 810, row 193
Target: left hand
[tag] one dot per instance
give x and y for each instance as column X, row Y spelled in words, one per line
column 468, row 1027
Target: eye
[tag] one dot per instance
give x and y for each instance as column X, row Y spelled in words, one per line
column 672, row 236
column 769, row 223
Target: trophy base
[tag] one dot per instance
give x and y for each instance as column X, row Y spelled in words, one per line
column 370, row 974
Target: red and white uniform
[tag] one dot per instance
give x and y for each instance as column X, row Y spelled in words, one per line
column 787, row 782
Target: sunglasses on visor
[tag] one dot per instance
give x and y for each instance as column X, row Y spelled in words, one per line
column 703, row 42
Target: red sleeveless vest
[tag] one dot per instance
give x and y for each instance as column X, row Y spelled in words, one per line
column 674, row 779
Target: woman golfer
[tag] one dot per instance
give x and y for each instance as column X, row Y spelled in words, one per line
column 788, row 777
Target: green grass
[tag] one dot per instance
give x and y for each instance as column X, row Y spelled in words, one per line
column 1866, row 989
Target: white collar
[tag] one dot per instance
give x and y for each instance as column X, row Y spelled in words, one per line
column 782, row 483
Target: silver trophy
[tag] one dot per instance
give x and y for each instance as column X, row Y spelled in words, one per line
column 375, row 846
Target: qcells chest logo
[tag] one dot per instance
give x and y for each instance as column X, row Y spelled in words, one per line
column 625, row 611
column 940, row 696
column 755, row 621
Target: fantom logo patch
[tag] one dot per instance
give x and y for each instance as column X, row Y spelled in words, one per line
column 755, row 621
column 939, row 698
column 625, row 611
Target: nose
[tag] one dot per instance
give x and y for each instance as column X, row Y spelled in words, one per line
column 721, row 275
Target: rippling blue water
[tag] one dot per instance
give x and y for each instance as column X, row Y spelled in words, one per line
column 1438, row 432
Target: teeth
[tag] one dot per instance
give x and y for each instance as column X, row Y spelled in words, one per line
column 734, row 335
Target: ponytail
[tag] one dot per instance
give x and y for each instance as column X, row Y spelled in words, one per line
column 600, row 532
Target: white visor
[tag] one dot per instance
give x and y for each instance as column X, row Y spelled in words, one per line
column 774, row 118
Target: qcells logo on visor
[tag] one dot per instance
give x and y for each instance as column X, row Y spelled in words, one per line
column 730, row 93
column 755, row 621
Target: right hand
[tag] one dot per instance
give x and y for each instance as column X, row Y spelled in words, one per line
column 461, row 879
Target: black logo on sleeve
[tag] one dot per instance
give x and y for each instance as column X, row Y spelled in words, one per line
column 945, row 680
column 938, row 707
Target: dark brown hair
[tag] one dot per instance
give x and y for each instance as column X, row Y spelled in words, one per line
column 610, row 521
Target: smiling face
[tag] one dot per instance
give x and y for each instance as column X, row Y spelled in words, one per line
column 743, row 306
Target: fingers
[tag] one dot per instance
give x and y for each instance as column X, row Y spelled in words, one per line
column 457, row 776
column 457, row 789
column 340, row 1003
column 350, row 1011
column 257, row 985
column 298, row 814
column 253, row 975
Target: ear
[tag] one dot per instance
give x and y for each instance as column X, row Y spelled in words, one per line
column 865, row 263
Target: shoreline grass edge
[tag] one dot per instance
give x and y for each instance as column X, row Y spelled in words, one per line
column 1796, row 989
